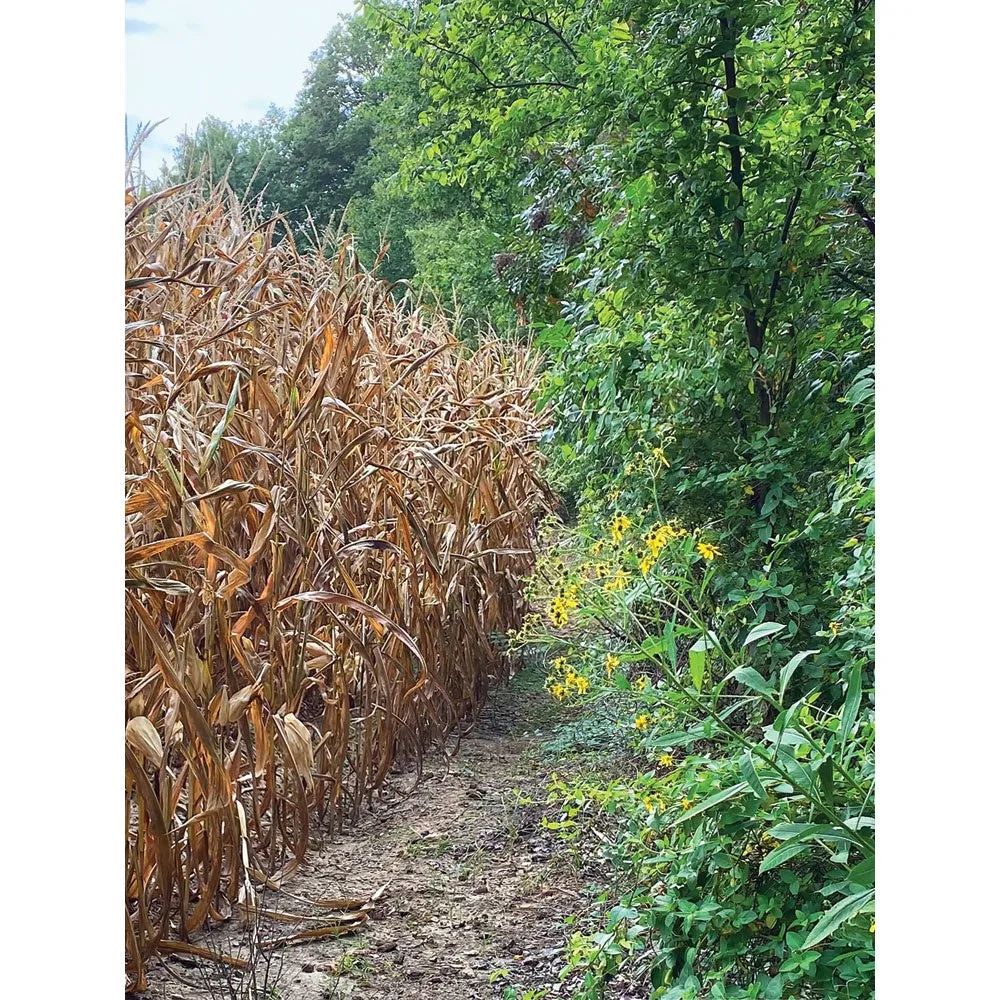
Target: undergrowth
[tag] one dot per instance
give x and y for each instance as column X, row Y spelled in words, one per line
column 731, row 797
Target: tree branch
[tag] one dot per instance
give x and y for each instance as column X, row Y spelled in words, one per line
column 520, row 85
column 754, row 329
column 551, row 28
column 786, row 226
column 867, row 219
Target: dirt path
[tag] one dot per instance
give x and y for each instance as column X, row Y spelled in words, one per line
column 476, row 891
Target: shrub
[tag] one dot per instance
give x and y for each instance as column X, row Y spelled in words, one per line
column 744, row 845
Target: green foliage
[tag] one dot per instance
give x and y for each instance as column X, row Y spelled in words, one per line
column 693, row 239
column 455, row 254
column 301, row 163
column 744, row 839
column 248, row 155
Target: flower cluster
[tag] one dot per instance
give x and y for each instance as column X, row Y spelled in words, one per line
column 618, row 526
column 660, row 534
column 530, row 625
column 565, row 681
column 562, row 604
column 654, row 803
column 647, row 461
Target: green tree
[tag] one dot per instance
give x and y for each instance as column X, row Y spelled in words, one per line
column 722, row 152
column 328, row 134
column 247, row 155
column 697, row 196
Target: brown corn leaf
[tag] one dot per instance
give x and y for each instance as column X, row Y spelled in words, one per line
column 142, row 737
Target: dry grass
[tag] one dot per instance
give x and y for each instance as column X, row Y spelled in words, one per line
column 329, row 505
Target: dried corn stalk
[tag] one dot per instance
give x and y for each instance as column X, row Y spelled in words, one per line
column 329, row 505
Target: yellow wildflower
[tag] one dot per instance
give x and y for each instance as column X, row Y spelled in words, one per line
column 596, row 547
column 610, row 663
column 666, row 760
column 708, row 551
column 642, row 722
column 618, row 582
column 601, row 570
column 658, row 453
column 642, row 683
column 558, row 692
column 618, row 527
column 646, row 564
column 658, row 537
column 581, row 684
column 834, row 627
column 686, row 803
column 559, row 612
column 560, row 663
column 871, row 930
column 654, row 543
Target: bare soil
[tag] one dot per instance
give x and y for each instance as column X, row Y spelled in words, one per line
column 476, row 891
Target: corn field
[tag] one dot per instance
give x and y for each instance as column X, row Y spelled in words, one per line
column 330, row 503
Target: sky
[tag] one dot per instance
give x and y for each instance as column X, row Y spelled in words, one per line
column 185, row 59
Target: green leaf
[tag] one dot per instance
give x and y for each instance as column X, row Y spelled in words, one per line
column 785, row 737
column 851, row 706
column 712, row 801
column 653, row 647
column 750, row 773
column 781, row 854
column 790, row 668
column 863, row 873
column 676, row 738
column 775, row 988
column 800, row 831
column 708, row 641
column 696, row 664
column 802, row 777
column 749, row 677
column 220, row 428
column 837, row 915
column 826, row 779
column 638, row 191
